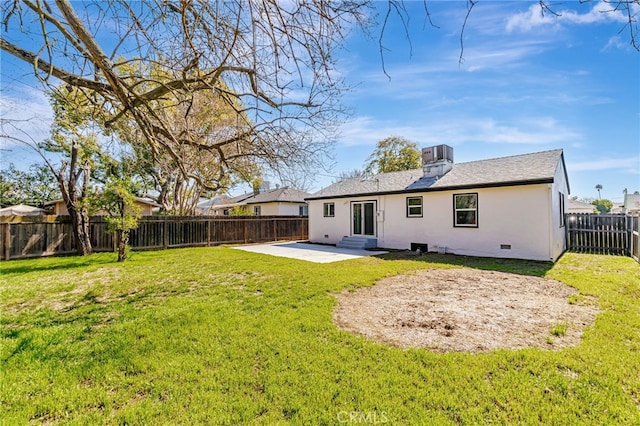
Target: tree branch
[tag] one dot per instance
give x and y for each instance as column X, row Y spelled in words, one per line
column 69, row 78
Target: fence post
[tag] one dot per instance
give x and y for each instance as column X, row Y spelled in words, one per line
column 275, row 230
column 165, row 234
column 245, row 230
column 6, row 240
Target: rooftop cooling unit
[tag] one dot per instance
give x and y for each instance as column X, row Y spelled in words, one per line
column 437, row 153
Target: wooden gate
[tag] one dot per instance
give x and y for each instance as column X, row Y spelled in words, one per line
column 599, row 233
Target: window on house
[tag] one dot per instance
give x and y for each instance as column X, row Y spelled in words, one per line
column 465, row 210
column 414, row 206
column 329, row 209
column 561, row 204
column 257, row 210
column 303, row 210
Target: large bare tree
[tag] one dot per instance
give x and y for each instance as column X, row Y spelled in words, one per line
column 272, row 61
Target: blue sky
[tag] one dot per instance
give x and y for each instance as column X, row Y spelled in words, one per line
column 527, row 83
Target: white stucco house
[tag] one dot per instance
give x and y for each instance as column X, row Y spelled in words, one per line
column 576, row 206
column 220, row 205
column 146, row 207
column 631, row 203
column 510, row 207
column 22, row 210
column 281, row 201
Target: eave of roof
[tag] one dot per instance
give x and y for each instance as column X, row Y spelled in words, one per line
column 275, row 201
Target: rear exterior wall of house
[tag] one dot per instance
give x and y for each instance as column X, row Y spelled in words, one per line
column 511, row 222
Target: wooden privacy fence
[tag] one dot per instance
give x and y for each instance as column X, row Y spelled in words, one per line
column 28, row 237
column 603, row 233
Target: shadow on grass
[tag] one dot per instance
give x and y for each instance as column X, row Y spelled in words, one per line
column 23, row 266
column 514, row 266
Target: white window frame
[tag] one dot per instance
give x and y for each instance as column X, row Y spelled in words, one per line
column 465, row 209
column 329, row 210
column 414, row 207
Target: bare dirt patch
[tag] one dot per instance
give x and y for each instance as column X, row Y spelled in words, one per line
column 467, row 310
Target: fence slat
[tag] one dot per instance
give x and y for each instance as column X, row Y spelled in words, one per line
column 34, row 237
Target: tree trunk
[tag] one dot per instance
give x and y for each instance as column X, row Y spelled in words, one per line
column 123, row 241
column 122, row 233
column 80, row 222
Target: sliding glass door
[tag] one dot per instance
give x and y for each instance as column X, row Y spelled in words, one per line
column 363, row 218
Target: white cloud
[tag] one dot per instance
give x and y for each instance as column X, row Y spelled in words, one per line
column 616, row 42
column 534, row 131
column 459, row 130
column 497, row 56
column 367, row 131
column 28, row 103
column 536, row 16
column 626, row 164
column 533, row 17
column 27, row 116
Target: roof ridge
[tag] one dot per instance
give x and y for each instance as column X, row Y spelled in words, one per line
column 511, row 156
column 361, row 178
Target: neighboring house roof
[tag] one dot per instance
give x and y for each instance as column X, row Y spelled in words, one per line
column 148, row 201
column 576, row 206
column 632, row 202
column 21, row 210
column 278, row 195
column 617, row 208
column 224, row 202
column 539, row 167
column 240, row 198
column 213, row 202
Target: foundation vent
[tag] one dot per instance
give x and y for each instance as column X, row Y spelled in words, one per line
column 420, row 246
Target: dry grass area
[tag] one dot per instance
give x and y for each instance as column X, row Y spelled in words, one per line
column 466, row 310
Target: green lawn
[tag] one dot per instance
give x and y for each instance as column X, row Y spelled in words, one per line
column 220, row 336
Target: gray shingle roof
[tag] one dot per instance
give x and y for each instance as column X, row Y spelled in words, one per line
column 517, row 169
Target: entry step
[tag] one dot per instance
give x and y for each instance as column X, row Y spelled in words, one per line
column 358, row 243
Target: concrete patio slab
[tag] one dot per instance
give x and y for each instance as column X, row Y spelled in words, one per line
column 316, row 253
